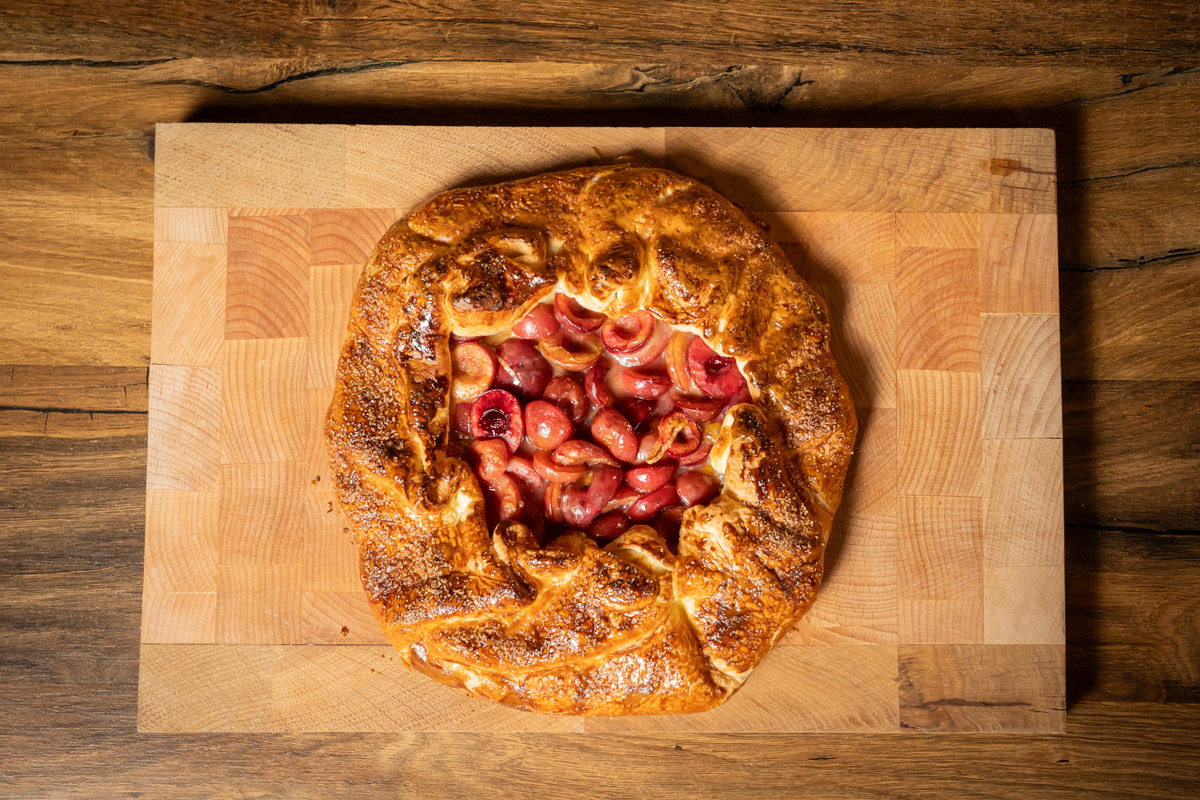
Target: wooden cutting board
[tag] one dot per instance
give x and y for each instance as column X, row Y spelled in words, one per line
column 942, row 606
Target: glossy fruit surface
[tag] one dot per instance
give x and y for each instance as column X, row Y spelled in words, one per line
column 613, row 431
column 715, row 375
column 497, row 415
column 566, row 393
column 575, row 317
column 521, row 369
column 537, row 324
column 546, row 425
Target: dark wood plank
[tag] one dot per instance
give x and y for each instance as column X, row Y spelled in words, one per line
column 527, row 30
column 1124, row 143
column 1132, row 454
column 1131, row 618
column 1114, row 750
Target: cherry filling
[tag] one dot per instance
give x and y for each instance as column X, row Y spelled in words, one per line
column 580, row 421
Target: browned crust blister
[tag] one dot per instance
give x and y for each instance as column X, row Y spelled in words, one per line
column 573, row 628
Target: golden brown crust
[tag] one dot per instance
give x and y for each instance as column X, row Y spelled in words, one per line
column 574, row 628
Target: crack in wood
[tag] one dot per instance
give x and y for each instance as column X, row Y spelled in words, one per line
column 45, row 410
column 1138, row 171
column 1128, row 263
column 86, row 62
column 294, row 77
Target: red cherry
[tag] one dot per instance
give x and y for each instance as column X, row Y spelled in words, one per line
column 624, row 497
column 547, row 425
column 699, row 455
column 460, row 418
column 548, row 469
column 651, row 477
column 607, row 527
column 567, row 394
column 612, row 430
column 678, row 435
column 537, row 324
column 636, row 410
column 647, row 444
column 503, row 498
column 676, row 354
column 577, row 451
column 572, row 353
column 701, row 409
column 645, row 384
column 741, row 396
column 474, row 367
column 522, row 369
column 595, row 383
column 696, row 488
column 575, row 317
column 522, row 469
column 652, row 503
column 497, row 414
column 581, row 506
column 651, row 349
column 491, row 458
column 628, row 333
column 716, row 376
column 552, row 501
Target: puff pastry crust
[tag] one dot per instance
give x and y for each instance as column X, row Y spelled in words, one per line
column 570, row 627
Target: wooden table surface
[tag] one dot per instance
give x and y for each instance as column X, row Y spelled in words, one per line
column 81, row 86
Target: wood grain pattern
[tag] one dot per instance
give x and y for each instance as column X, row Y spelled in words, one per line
column 184, row 436
column 79, row 138
column 982, row 688
column 1022, row 380
column 940, row 450
column 906, row 561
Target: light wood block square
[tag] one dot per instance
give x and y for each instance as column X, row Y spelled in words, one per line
column 266, row 292
column 198, row 225
column 367, row 688
column 870, row 488
column 263, row 519
column 858, row 603
column 330, row 558
column 259, row 604
column 940, row 450
column 181, row 541
column 401, row 167
column 937, row 310
column 183, row 437
column 265, row 405
column 973, row 688
column 347, row 236
column 339, row 618
column 850, row 688
column 935, row 251
column 940, row 621
column 940, row 231
column 190, row 687
column 940, row 547
column 179, row 617
column 1023, row 512
column 1018, row 263
column 864, row 340
column 1022, row 379
column 914, row 170
column 188, row 304
column 837, row 247
column 1023, row 605
column 330, row 294
column 222, row 166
